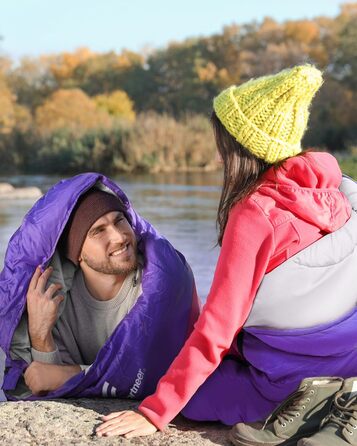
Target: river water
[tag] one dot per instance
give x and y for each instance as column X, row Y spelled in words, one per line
column 182, row 206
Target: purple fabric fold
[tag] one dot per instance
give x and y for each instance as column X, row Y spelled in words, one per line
column 144, row 344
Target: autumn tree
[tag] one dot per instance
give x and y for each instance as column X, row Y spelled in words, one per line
column 63, row 65
column 5, row 65
column 104, row 73
column 345, row 60
column 117, row 104
column 32, row 81
column 72, row 110
column 78, row 100
column 7, row 107
column 333, row 120
column 181, row 78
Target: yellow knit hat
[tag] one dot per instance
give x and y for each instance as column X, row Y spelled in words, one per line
column 268, row 115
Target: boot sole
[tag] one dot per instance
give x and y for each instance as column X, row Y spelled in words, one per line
column 287, row 442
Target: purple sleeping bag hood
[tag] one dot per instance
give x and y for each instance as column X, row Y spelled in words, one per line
column 144, row 343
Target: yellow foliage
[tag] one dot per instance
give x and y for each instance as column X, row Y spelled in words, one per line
column 128, row 58
column 7, row 111
column 223, row 77
column 349, row 9
column 305, row 31
column 70, row 109
column 23, row 118
column 63, row 65
column 269, row 24
column 207, row 73
column 5, row 64
column 117, row 104
column 320, row 55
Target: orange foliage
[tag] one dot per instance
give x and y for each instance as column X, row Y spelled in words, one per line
column 70, row 109
column 63, row 64
column 270, row 30
column 128, row 58
column 305, row 31
column 7, row 115
column 207, row 73
column 349, row 9
column 23, row 118
column 5, row 64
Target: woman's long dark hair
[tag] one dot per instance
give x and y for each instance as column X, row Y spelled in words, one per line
column 242, row 173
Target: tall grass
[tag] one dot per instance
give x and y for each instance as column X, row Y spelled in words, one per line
column 153, row 143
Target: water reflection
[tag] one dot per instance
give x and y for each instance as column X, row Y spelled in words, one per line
column 182, row 206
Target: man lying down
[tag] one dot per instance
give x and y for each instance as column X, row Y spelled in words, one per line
column 93, row 301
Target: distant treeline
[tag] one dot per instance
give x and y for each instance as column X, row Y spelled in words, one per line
column 111, row 112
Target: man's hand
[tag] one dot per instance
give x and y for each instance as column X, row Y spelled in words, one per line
column 42, row 309
column 41, row 377
column 128, row 423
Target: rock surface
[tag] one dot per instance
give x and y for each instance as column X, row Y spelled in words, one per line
column 7, row 191
column 72, row 422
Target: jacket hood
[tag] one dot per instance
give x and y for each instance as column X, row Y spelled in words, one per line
column 308, row 186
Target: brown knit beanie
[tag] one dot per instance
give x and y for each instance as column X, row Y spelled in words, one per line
column 90, row 206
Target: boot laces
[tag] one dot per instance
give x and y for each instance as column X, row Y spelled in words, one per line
column 343, row 413
column 290, row 408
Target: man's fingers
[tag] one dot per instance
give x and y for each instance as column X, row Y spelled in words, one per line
column 34, row 278
column 52, row 289
column 42, row 281
column 58, row 299
column 28, row 378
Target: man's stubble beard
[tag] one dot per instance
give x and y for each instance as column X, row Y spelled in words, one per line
column 105, row 267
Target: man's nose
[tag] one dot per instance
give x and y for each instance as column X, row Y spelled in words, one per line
column 116, row 234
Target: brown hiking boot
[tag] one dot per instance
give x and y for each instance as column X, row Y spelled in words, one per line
column 298, row 416
column 339, row 428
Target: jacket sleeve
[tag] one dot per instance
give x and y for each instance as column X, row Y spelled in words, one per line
column 55, row 357
column 59, row 356
column 247, row 246
column 64, row 354
column 47, row 357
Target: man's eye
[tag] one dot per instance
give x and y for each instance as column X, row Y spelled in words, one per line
column 119, row 220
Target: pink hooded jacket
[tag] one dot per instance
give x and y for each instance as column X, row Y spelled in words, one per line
column 295, row 205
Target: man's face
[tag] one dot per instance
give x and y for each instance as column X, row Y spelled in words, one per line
column 110, row 246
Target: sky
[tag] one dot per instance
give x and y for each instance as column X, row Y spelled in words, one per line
column 34, row 27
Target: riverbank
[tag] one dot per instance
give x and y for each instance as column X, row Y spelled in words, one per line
column 73, row 421
column 145, row 157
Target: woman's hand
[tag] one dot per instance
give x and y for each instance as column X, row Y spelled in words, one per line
column 42, row 308
column 128, row 423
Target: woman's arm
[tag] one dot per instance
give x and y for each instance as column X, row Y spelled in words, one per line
column 247, row 246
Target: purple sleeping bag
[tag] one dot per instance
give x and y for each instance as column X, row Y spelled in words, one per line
column 145, row 342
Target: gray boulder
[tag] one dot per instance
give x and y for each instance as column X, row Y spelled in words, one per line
column 9, row 192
